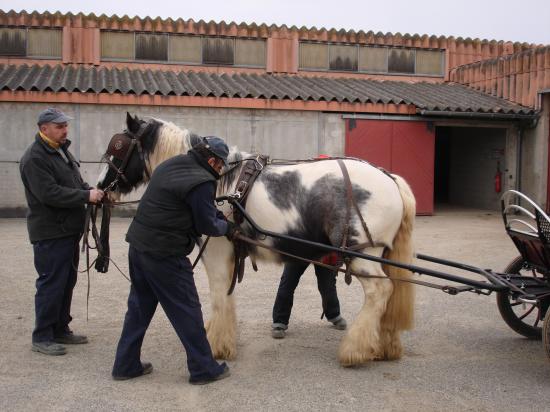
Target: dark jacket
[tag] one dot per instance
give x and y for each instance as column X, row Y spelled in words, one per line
column 55, row 192
column 166, row 219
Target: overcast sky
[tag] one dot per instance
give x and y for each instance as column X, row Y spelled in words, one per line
column 523, row 20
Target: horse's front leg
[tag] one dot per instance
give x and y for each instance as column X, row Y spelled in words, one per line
column 221, row 328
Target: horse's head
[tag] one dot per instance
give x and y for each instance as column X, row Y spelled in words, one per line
column 127, row 156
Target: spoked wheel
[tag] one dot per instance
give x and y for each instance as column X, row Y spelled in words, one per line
column 524, row 318
column 546, row 334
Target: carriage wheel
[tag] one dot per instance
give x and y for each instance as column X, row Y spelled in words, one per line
column 524, row 318
column 546, row 334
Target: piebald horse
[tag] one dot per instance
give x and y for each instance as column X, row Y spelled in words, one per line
column 307, row 201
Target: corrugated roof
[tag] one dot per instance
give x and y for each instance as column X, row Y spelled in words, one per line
column 91, row 79
column 223, row 28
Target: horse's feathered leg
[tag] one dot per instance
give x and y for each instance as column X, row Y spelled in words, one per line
column 221, row 328
column 400, row 311
column 362, row 342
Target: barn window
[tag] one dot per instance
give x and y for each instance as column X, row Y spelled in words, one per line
column 429, row 62
column 250, row 52
column 37, row 43
column 185, row 49
column 342, row 57
column 117, row 45
column 45, row 43
column 401, row 60
column 218, row 50
column 151, row 47
column 314, row 56
column 373, row 59
column 13, row 42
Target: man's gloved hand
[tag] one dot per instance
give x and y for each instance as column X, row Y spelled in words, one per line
column 232, row 230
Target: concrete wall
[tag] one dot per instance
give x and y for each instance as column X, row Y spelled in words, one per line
column 281, row 134
column 534, row 165
column 474, row 156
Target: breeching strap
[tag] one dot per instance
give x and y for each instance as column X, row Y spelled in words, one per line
column 350, row 201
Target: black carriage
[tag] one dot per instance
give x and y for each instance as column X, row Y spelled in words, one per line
column 524, row 306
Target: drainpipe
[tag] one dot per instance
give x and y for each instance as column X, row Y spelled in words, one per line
column 77, row 137
column 518, row 159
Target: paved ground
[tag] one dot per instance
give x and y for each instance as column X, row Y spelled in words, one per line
column 461, row 356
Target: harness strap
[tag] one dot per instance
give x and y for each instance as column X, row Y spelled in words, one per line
column 142, row 157
column 201, row 251
column 103, row 248
column 452, row 290
column 250, row 171
column 118, row 171
column 350, row 201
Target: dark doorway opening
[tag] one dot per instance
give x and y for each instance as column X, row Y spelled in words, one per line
column 466, row 162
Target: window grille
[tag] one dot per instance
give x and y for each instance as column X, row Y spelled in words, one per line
column 314, row 56
column 152, row 47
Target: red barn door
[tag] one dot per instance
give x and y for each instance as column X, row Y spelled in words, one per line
column 405, row 148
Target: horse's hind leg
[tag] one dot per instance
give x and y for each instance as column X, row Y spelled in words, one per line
column 221, row 328
column 390, row 340
column 365, row 341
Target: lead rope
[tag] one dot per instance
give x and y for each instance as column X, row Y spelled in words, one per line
column 90, row 224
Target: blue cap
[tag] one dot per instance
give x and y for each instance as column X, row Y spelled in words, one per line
column 53, row 115
column 217, row 147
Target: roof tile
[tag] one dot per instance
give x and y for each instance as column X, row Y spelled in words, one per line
column 91, row 79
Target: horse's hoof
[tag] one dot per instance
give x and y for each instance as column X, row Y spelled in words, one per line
column 224, row 354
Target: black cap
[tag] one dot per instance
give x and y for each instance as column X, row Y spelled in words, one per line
column 217, row 147
column 53, row 115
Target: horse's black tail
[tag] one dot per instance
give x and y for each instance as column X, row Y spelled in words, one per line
column 103, row 248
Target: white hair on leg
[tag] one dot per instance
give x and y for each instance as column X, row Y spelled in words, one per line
column 221, row 329
column 400, row 312
column 362, row 341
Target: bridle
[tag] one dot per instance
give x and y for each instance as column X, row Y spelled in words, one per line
column 121, row 147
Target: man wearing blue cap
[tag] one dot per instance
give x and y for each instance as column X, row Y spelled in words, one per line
column 56, row 197
column 176, row 208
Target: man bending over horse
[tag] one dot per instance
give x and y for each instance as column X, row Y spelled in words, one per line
column 176, row 208
column 56, row 196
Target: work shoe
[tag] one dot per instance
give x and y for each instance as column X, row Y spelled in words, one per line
column 278, row 333
column 70, row 339
column 147, row 369
column 340, row 323
column 204, row 381
column 49, row 348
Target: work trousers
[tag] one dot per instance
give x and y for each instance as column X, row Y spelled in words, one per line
column 56, row 262
column 326, row 283
column 168, row 281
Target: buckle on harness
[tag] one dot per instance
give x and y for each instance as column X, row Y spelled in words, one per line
column 241, row 187
column 257, row 164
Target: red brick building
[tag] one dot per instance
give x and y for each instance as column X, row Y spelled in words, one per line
column 446, row 113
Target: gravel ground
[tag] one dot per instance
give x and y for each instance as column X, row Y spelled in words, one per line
column 461, row 356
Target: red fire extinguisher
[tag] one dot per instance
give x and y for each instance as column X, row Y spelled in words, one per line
column 498, row 179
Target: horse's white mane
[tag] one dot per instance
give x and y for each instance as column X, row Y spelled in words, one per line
column 173, row 142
